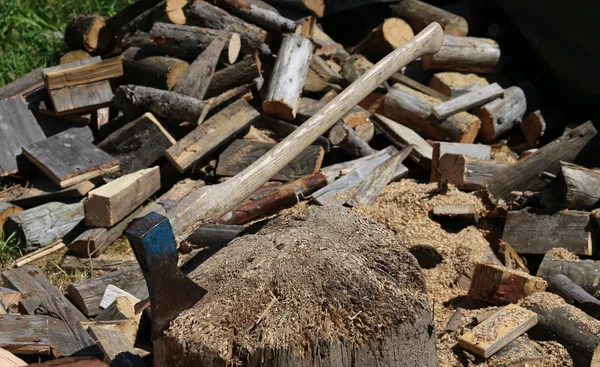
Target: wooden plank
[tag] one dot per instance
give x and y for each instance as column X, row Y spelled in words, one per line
column 497, row 331
column 524, row 175
column 18, row 128
column 111, row 294
column 468, row 173
column 84, row 74
column 403, row 79
column 40, row 197
column 112, row 202
column 117, row 349
column 138, row 144
column 477, row 151
column 581, row 186
column 67, row 159
column 23, row 85
column 39, row 253
column 530, row 233
column 21, row 334
column 81, row 98
column 211, row 135
column 7, row 359
column 242, row 153
column 467, row 101
column 338, row 170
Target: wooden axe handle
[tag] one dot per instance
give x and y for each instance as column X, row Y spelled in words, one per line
column 209, row 203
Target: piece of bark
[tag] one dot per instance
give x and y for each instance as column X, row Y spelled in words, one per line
column 569, row 324
column 7, row 359
column 39, row 253
column 453, row 84
column 349, row 140
column 581, row 186
column 521, row 352
column 207, row 15
column 574, row 294
column 413, row 109
column 524, row 174
column 145, row 68
column 40, row 226
column 138, row 144
column 242, row 153
column 87, row 294
column 476, row 151
column 420, row 14
column 497, row 331
column 10, row 297
column 466, row 54
column 533, row 127
column 465, row 213
column 39, row 197
column 242, row 72
column 6, row 210
column 84, row 32
column 112, row 202
column 500, row 285
column 211, row 135
column 512, row 260
column 309, row 107
column 468, row 173
column 391, row 34
column 530, row 233
column 467, row 101
column 24, row 334
column 117, row 349
column 84, row 74
column 287, row 78
column 283, row 129
column 262, row 17
column 122, row 308
column 313, row 6
column 584, row 273
column 403, row 79
column 373, row 186
column 18, row 128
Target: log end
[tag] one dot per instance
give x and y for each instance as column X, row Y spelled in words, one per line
column 175, row 73
column 457, row 27
column 397, row 32
column 84, row 32
column 235, row 46
column 280, row 110
column 317, row 6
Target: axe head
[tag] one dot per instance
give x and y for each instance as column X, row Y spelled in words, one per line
column 170, row 291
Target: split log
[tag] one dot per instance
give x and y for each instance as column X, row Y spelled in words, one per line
column 402, row 137
column 338, row 170
column 262, row 17
column 524, row 175
column 393, row 33
column 84, row 32
column 584, row 273
column 84, row 74
column 283, row 129
column 117, row 349
column 309, row 107
column 134, row 100
column 212, row 134
column 413, row 109
column 287, row 78
column 242, row 72
column 467, row 101
column 372, row 187
column 354, row 66
column 313, row 6
column 40, row 226
column 274, row 200
column 81, row 98
column 74, row 56
column 24, row 334
column 7, row 359
column 476, row 151
column 454, row 84
column 39, row 253
column 242, row 153
column 457, row 213
column 572, row 326
column 499, row 116
column 366, row 131
column 6, row 210
column 420, row 14
column 122, row 308
column 112, row 202
column 574, row 294
column 581, row 186
column 170, row 10
column 207, row 15
column 403, row 79
column 217, row 103
column 325, row 45
column 466, row 54
column 37, row 197
column 530, row 233
column 144, row 68
column 349, row 140
column 467, row 173
column 196, row 79
column 138, row 144
column 520, row 352
column 500, row 285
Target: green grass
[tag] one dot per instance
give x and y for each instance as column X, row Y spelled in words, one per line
column 9, row 249
column 31, row 31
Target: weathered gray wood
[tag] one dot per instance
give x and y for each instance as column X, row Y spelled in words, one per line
column 468, row 173
column 262, row 17
column 581, row 186
column 529, row 233
column 524, row 174
column 420, row 14
column 283, row 129
column 109, row 204
column 72, row 264
column 242, row 153
column 349, row 140
column 145, row 68
column 211, row 135
column 6, row 210
column 574, row 294
column 138, row 144
column 68, row 160
column 87, row 294
column 584, row 273
column 402, row 137
column 117, row 349
column 135, row 100
column 467, row 101
column 372, row 187
column 18, row 128
column 242, row 72
column 37, row 197
column 466, row 54
column 24, row 85
column 24, row 334
column 287, row 78
column 313, row 6
column 477, row 151
column 196, row 79
column 81, row 98
column 338, row 170
column 325, row 45
column 40, row 226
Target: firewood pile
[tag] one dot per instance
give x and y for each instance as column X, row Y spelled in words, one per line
column 167, row 100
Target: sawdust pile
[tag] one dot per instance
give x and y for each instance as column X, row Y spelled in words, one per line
column 319, row 274
column 561, row 253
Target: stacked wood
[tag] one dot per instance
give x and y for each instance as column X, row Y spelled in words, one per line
column 261, row 16
column 144, row 68
column 420, row 14
column 393, row 33
column 84, row 32
column 403, row 137
column 349, row 140
column 584, row 273
column 581, row 186
column 466, row 54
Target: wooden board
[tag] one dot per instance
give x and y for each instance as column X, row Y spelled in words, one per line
column 242, row 153
column 72, row 263
column 468, row 173
column 24, row 334
column 529, row 233
column 18, row 128
column 477, row 151
column 138, row 144
column 84, row 74
column 111, row 294
column 81, row 98
column 582, row 272
column 117, row 349
column 67, row 159
column 40, row 197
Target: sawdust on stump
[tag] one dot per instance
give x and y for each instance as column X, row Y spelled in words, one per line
column 304, row 279
column 561, row 253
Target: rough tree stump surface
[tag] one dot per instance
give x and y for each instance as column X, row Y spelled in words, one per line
column 329, row 287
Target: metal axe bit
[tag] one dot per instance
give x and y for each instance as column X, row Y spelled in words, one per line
column 171, row 292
